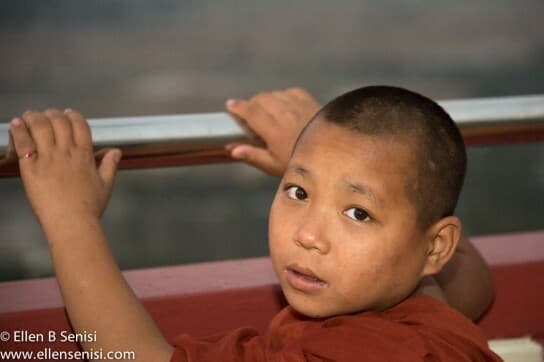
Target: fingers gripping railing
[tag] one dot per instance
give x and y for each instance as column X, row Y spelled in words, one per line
column 156, row 141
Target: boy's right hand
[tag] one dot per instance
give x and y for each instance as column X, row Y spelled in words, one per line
column 276, row 117
column 58, row 168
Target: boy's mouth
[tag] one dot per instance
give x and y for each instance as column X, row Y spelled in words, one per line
column 304, row 279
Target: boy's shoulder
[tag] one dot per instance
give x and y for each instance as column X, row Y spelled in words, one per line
column 417, row 329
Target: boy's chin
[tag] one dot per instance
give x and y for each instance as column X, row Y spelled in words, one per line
column 312, row 312
column 314, row 309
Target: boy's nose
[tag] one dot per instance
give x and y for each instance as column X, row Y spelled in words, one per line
column 311, row 236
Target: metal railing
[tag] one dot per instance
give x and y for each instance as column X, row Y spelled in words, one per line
column 156, row 141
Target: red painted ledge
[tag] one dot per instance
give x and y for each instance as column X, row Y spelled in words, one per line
column 209, row 298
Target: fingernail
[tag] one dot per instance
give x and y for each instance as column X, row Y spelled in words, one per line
column 68, row 110
column 26, row 112
column 237, row 153
column 16, row 122
column 117, row 156
column 231, row 102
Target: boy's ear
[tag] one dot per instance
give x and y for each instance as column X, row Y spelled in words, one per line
column 443, row 237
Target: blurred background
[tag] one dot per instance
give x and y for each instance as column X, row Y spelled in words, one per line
column 121, row 58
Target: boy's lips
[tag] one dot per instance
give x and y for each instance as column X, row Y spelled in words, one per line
column 304, row 279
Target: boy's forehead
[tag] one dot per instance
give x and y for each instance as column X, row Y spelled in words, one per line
column 322, row 133
column 321, row 130
column 352, row 155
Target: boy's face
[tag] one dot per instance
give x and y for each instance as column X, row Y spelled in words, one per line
column 343, row 234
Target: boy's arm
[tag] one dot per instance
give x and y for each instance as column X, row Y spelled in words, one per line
column 68, row 194
column 278, row 117
column 466, row 281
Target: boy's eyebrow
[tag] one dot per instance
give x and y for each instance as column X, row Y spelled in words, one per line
column 298, row 169
column 364, row 190
column 356, row 187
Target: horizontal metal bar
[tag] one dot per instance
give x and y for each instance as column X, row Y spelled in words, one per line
column 499, row 120
column 154, row 141
column 199, row 138
column 192, row 130
column 497, row 110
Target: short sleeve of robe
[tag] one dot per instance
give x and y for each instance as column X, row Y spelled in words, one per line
column 418, row 329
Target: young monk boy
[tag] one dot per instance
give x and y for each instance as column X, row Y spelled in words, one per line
column 278, row 118
column 362, row 215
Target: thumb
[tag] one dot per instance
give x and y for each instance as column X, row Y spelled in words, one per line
column 108, row 167
column 258, row 157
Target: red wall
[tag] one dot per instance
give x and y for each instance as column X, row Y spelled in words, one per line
column 209, row 298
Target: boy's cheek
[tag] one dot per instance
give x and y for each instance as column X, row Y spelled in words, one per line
column 274, row 234
column 277, row 222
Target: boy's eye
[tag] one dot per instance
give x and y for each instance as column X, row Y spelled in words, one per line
column 358, row 214
column 296, row 193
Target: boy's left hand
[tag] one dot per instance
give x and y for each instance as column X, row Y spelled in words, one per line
column 277, row 118
column 58, row 168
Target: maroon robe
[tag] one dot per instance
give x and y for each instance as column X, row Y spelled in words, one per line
column 417, row 329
